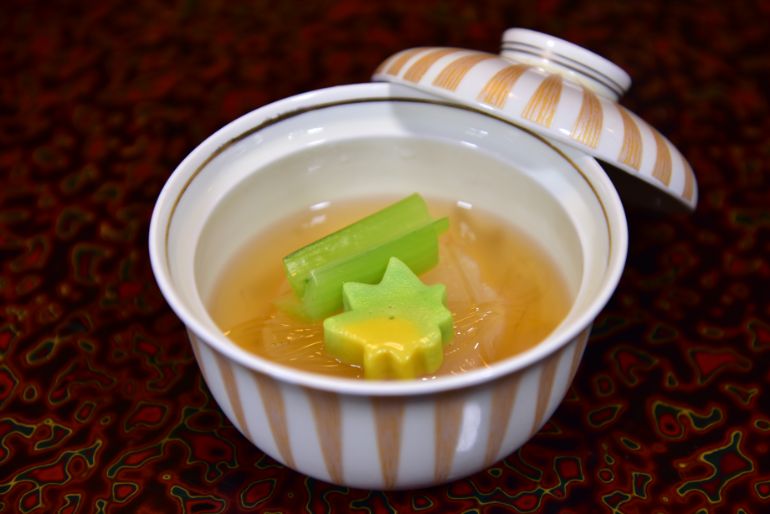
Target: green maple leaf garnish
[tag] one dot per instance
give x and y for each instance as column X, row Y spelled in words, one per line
column 394, row 329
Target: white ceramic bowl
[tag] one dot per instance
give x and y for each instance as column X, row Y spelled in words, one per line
column 375, row 139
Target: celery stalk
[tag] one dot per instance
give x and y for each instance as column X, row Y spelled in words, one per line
column 417, row 248
column 371, row 231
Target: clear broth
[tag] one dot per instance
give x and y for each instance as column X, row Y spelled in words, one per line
column 505, row 293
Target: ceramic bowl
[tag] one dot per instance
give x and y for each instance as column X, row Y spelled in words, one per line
column 374, row 139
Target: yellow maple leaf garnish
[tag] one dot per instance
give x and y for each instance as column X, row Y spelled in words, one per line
column 394, row 329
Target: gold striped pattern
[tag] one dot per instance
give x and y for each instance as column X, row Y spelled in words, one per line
column 631, row 150
column 541, row 107
column 496, row 90
column 416, row 71
column 328, row 423
column 197, row 352
column 504, row 393
column 662, row 168
column 689, row 182
column 275, row 409
column 582, row 341
column 451, row 76
column 544, row 388
column 388, row 416
column 588, row 126
column 400, row 60
column 448, row 418
column 231, row 390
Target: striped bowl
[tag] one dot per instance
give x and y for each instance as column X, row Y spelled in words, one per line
column 556, row 89
column 384, row 139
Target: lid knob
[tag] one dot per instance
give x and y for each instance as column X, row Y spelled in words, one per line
column 567, row 59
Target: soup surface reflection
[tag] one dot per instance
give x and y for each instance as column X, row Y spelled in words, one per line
column 505, row 293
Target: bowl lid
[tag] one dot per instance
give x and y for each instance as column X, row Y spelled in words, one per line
column 557, row 89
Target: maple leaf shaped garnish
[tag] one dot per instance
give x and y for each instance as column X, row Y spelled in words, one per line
column 394, row 329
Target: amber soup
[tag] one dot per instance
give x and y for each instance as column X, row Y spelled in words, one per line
column 504, row 291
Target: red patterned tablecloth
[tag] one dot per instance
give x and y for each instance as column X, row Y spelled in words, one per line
column 102, row 407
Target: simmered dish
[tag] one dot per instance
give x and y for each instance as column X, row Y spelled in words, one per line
column 504, row 293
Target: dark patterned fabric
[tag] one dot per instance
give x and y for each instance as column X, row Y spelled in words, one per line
column 102, row 407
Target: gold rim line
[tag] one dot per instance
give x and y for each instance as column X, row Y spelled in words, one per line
column 326, row 105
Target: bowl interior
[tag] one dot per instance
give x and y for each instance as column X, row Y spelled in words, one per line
column 391, row 166
column 261, row 169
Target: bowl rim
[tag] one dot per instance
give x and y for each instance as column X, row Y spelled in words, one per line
column 251, row 122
